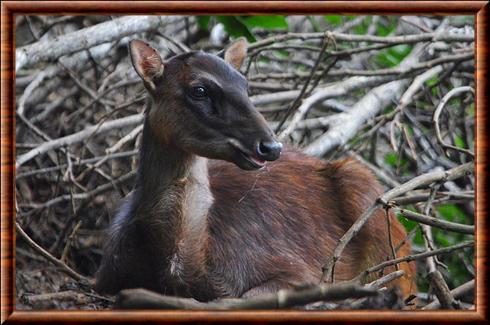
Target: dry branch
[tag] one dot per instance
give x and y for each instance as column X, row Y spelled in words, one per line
column 438, row 111
column 50, row 50
column 442, row 224
column 346, row 125
column 442, row 290
column 78, row 137
column 57, row 262
column 414, row 257
column 335, row 90
column 404, row 70
column 457, row 292
column 406, row 39
column 144, row 299
column 85, row 195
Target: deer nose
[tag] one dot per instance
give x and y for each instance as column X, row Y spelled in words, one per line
column 269, row 150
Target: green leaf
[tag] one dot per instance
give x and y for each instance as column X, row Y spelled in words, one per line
column 266, row 22
column 471, row 110
column 384, row 60
column 452, row 212
column 443, row 240
column 363, row 27
column 235, row 27
column 391, row 159
column 333, row 20
column 314, row 24
column 385, row 28
column 203, row 21
column 393, row 56
column 282, row 53
column 459, row 142
column 432, row 81
column 400, row 51
column 410, row 225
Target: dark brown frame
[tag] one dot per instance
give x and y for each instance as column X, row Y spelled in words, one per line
column 11, row 8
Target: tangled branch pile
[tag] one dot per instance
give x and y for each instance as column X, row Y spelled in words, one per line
column 396, row 93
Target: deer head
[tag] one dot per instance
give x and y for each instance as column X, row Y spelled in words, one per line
column 200, row 104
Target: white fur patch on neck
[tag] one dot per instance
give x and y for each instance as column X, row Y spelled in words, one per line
column 198, row 197
column 195, row 207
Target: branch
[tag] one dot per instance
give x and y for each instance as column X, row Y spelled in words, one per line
column 345, row 125
column 371, row 104
column 303, row 92
column 106, row 157
column 335, row 90
column 50, row 50
column 441, row 290
column 86, row 195
column 59, row 263
column 144, row 299
column 405, row 39
column 78, row 137
column 408, row 97
column 379, row 283
column 414, row 257
column 404, row 70
column 456, row 293
column 438, row 223
column 429, row 178
column 438, row 111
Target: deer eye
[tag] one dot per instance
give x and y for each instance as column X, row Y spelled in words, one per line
column 199, row 92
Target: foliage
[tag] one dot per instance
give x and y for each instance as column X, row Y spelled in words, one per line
column 238, row 26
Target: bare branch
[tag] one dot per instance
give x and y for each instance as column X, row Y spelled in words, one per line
column 59, row 263
column 457, row 292
column 144, row 299
column 347, row 124
column 438, row 111
column 49, row 50
column 335, row 90
column 78, row 137
column 405, row 39
column 414, row 257
column 442, row 224
column 404, row 70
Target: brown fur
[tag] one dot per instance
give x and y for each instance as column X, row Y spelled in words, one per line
column 275, row 228
column 208, row 230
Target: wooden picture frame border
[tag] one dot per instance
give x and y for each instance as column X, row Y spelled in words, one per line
column 11, row 8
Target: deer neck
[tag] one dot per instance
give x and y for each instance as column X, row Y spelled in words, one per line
column 175, row 197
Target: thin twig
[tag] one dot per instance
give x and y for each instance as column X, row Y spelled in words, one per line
column 414, row 257
column 57, row 262
column 438, row 111
column 78, row 137
column 438, row 223
column 298, row 99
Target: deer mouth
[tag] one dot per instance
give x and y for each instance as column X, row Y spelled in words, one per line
column 247, row 160
column 255, row 162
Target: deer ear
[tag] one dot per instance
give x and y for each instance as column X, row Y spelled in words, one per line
column 147, row 62
column 236, row 53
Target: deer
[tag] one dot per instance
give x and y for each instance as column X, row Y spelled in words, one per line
column 220, row 209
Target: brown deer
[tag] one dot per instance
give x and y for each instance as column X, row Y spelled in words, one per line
column 233, row 226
